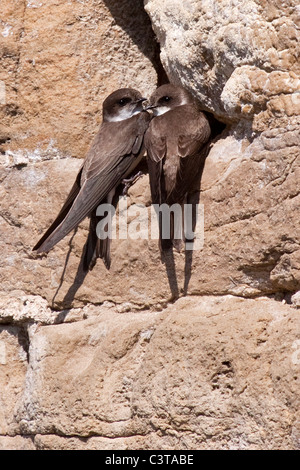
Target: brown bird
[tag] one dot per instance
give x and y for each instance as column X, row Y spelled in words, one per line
column 114, row 153
column 176, row 143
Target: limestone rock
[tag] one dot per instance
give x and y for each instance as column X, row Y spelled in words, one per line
column 16, row 443
column 209, row 372
column 250, row 191
column 251, row 206
column 13, row 367
column 296, row 299
column 239, row 57
column 60, row 60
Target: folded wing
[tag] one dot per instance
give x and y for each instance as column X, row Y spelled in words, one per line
column 107, row 163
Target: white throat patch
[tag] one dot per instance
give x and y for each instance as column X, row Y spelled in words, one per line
column 123, row 114
column 164, row 109
column 160, row 110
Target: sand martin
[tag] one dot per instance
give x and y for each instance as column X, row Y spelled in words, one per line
column 176, row 143
column 114, row 153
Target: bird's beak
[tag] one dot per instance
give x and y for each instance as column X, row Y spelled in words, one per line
column 140, row 100
column 149, row 106
column 139, row 104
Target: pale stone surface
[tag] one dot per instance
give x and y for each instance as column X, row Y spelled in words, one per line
column 104, row 361
column 296, row 299
column 239, row 57
column 209, row 372
column 250, row 189
column 13, row 367
column 16, row 443
column 60, row 60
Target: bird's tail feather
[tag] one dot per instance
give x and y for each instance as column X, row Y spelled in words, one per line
column 95, row 247
column 174, row 238
column 104, row 252
column 62, row 214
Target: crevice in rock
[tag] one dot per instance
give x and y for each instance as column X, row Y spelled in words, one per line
column 4, row 140
column 139, row 22
column 217, row 127
column 24, row 341
column 223, row 377
column 10, row 221
column 159, row 307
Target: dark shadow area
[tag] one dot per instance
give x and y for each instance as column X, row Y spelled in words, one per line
column 23, row 340
column 187, row 270
column 217, row 127
column 65, row 267
column 61, row 316
column 193, row 198
column 131, row 16
column 167, row 258
column 77, row 283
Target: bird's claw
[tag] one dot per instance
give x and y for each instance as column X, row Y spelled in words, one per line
column 128, row 182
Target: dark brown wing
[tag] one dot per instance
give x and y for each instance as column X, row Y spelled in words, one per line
column 95, row 247
column 156, row 146
column 109, row 160
column 113, row 141
column 189, row 173
column 155, row 143
column 180, row 134
column 64, row 210
column 193, row 135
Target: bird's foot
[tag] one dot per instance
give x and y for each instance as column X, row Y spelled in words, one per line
column 128, row 182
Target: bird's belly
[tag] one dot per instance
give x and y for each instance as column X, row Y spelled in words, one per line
column 171, row 168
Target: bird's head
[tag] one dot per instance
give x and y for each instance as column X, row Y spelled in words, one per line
column 168, row 97
column 122, row 104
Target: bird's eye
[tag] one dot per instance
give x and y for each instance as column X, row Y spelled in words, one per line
column 124, row 101
column 166, row 98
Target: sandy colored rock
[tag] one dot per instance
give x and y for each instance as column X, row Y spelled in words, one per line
column 296, row 299
column 16, row 443
column 250, row 192
column 239, row 57
column 13, row 367
column 209, row 372
column 250, row 197
column 60, row 60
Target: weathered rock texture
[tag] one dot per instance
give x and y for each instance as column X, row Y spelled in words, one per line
column 207, row 372
column 104, row 362
column 60, row 59
column 240, row 57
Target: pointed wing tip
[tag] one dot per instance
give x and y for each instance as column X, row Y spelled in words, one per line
column 37, row 248
column 107, row 264
column 41, row 246
column 40, row 250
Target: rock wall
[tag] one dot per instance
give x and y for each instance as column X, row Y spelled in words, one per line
column 111, row 360
column 205, row 373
